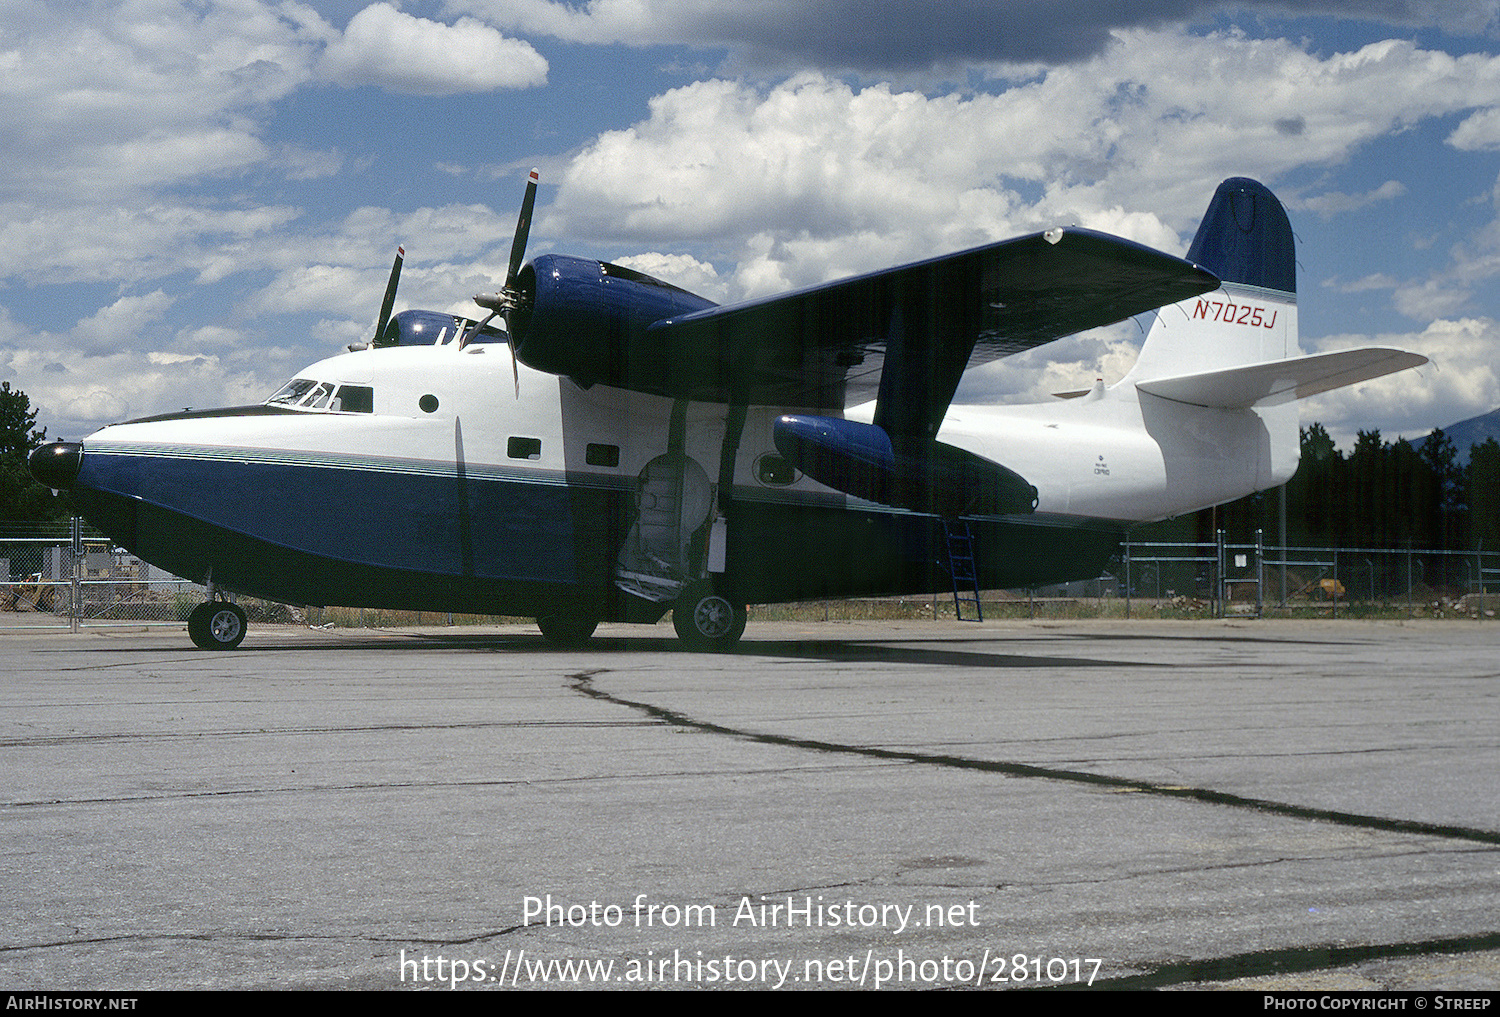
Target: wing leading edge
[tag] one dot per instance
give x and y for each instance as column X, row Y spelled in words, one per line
column 909, row 333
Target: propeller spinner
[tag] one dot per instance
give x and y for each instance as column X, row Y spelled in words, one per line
column 505, row 301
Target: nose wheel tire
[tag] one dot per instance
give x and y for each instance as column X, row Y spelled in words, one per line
column 217, row 625
column 706, row 620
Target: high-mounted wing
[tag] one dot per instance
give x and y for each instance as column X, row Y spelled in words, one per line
column 913, row 330
column 909, row 332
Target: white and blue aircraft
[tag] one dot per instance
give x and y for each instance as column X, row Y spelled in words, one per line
column 640, row 449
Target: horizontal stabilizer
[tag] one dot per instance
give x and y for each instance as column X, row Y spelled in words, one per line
column 1281, row 381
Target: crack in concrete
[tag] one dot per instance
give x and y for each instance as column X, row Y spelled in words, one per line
column 583, row 683
column 1290, row 961
column 1217, row 969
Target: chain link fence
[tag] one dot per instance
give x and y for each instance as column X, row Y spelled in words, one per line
column 77, row 578
column 69, row 577
column 1257, row 579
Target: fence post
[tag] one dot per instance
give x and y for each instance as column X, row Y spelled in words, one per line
column 1409, row 613
column 1127, row 576
column 1281, row 522
column 1260, row 574
column 75, row 591
column 1219, row 574
column 1479, row 573
column 1335, row 582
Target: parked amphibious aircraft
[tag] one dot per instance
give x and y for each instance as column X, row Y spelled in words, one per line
column 654, row 451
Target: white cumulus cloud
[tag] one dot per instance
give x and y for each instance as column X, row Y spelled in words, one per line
column 815, row 177
column 385, row 47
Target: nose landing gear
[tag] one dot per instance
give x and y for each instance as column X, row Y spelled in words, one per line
column 706, row 620
column 217, row 625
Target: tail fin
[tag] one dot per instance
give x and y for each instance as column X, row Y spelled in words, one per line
column 1246, row 240
column 1219, row 375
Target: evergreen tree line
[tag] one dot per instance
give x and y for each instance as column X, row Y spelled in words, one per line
column 1382, row 495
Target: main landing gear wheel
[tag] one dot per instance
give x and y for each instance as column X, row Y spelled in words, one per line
column 566, row 629
column 217, row 625
column 707, row 620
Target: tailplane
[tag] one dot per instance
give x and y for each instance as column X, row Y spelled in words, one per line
column 1236, row 348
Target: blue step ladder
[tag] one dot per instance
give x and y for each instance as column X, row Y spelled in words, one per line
column 961, row 568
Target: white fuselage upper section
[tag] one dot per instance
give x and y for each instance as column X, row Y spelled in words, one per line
column 1115, row 454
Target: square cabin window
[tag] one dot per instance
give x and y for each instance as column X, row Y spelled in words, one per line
column 524, row 448
column 602, row 455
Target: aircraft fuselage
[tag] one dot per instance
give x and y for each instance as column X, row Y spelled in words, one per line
column 442, row 491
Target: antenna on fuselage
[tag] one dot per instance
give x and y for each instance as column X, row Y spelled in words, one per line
column 509, row 297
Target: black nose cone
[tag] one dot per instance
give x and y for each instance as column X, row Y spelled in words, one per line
column 56, row 465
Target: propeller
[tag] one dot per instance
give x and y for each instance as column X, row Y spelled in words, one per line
column 505, row 301
column 390, row 299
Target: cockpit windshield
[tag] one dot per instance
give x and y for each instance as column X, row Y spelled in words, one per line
column 324, row 396
column 292, row 392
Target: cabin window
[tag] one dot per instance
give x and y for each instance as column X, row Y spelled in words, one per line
column 524, row 448
column 602, row 455
column 428, row 403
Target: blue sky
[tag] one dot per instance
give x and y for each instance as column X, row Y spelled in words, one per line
column 200, row 198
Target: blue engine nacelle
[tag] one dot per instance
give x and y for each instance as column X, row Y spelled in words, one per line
column 588, row 320
column 927, row 476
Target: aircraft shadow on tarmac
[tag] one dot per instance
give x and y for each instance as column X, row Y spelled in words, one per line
column 936, row 649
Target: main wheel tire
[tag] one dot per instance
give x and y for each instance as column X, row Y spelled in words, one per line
column 567, row 629
column 707, row 620
column 217, row 625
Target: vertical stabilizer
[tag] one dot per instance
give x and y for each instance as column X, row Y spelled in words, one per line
column 1246, row 240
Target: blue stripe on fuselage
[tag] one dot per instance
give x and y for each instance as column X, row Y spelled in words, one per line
column 316, row 528
column 409, row 516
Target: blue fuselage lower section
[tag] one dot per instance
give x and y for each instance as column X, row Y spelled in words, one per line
column 523, row 542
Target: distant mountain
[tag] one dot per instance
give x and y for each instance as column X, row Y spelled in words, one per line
column 1466, row 433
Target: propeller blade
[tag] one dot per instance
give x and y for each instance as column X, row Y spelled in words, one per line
column 523, row 231
column 390, row 297
column 497, row 308
column 468, row 336
column 517, row 256
column 515, row 372
column 504, row 302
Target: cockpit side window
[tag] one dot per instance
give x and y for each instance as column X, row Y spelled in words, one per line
column 355, row 399
column 319, row 398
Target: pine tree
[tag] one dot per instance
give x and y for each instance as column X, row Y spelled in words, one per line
column 1482, row 483
column 21, row 498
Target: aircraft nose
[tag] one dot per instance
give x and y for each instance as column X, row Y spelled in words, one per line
column 57, row 464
